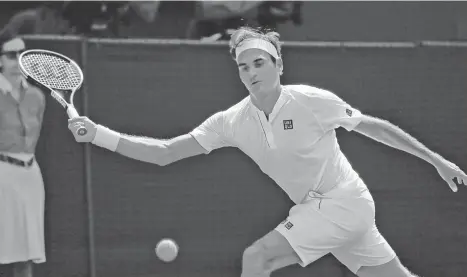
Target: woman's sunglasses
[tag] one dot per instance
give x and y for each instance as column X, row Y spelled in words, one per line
column 12, row 54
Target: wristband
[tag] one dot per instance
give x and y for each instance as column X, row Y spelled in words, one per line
column 106, row 138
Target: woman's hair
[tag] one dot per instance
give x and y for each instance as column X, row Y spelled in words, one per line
column 5, row 36
column 244, row 33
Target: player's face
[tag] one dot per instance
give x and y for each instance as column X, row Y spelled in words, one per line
column 9, row 56
column 258, row 72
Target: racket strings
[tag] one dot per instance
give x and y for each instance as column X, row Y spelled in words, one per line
column 52, row 71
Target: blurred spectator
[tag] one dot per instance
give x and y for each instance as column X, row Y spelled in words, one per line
column 212, row 20
column 90, row 18
column 94, row 17
column 105, row 18
column 216, row 20
column 45, row 18
column 145, row 10
column 271, row 13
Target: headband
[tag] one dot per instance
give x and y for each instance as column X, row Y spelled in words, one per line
column 256, row 43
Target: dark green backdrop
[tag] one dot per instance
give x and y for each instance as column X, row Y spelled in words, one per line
column 216, row 205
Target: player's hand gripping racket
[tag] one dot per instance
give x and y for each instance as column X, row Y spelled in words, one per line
column 54, row 72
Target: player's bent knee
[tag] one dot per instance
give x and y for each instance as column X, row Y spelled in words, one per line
column 394, row 268
column 260, row 258
column 253, row 260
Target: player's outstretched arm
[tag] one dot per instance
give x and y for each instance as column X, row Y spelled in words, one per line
column 151, row 150
column 391, row 135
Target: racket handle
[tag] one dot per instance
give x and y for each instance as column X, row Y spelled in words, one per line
column 73, row 113
column 82, row 131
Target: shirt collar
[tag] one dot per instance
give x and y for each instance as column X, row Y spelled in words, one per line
column 23, row 85
column 281, row 101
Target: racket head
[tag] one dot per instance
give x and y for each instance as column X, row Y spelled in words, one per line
column 50, row 70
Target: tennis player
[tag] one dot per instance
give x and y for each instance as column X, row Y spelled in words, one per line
column 21, row 185
column 292, row 127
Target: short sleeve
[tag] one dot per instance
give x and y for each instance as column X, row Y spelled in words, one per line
column 211, row 133
column 331, row 112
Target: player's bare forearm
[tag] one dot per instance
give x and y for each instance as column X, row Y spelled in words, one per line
column 391, row 135
column 144, row 149
column 159, row 151
column 150, row 150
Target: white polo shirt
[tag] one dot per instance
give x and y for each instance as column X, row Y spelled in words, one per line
column 297, row 147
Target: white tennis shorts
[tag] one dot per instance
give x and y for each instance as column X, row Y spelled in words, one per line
column 341, row 222
column 21, row 214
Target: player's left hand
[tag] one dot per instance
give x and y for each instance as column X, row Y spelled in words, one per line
column 451, row 173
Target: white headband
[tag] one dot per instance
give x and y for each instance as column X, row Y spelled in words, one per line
column 256, row 43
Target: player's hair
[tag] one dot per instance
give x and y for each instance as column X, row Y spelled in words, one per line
column 244, row 33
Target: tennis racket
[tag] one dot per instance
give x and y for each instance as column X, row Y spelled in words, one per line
column 56, row 73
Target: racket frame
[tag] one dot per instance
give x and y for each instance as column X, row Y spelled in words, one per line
column 70, row 107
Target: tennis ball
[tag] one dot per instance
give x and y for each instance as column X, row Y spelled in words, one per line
column 167, row 250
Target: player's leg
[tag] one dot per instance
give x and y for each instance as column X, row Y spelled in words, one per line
column 281, row 262
column 371, row 256
column 267, row 254
column 305, row 236
column 394, row 268
column 313, row 229
column 22, row 269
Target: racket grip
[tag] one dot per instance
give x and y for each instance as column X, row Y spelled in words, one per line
column 82, row 131
column 72, row 112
